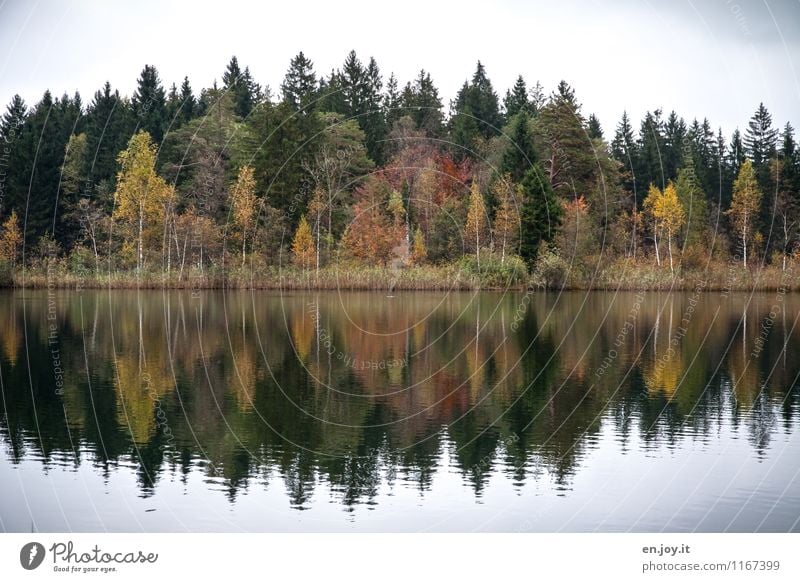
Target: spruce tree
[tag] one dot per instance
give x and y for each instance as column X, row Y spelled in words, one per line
column 540, row 213
column 149, row 104
column 519, row 154
column 109, row 125
column 187, row 101
column 300, row 87
column 421, row 101
column 516, row 99
column 475, row 113
column 760, row 139
column 593, row 128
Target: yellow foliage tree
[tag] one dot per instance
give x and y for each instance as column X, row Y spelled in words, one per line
column 506, row 220
column 316, row 208
column 476, row 231
column 744, row 205
column 244, row 205
column 303, row 245
column 667, row 214
column 418, row 250
column 11, row 239
column 142, row 198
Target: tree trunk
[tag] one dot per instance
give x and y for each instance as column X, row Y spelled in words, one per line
column 655, row 239
column 669, row 248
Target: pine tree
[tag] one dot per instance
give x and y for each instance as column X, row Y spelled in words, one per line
column 12, row 120
column 693, row 200
column 594, row 129
column 372, row 120
column 568, row 155
column 540, row 213
column 760, row 138
column 674, row 136
column 519, row 155
column 187, row 101
column 516, row 99
column 475, row 113
column 246, row 93
column 109, row 125
column 392, row 102
column 300, row 87
column 649, row 169
column 786, row 170
column 34, row 165
column 149, row 104
column 624, row 149
column 421, row 101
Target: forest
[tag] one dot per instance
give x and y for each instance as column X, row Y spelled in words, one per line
column 353, row 180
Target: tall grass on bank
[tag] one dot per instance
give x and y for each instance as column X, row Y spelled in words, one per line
column 549, row 272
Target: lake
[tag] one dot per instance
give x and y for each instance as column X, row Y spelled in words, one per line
column 253, row 411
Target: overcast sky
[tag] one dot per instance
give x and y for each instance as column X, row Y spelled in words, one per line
column 714, row 58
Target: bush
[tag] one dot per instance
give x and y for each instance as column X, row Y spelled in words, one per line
column 493, row 271
column 82, row 261
column 550, row 269
column 6, row 274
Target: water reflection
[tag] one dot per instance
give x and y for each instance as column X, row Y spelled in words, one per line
column 350, row 396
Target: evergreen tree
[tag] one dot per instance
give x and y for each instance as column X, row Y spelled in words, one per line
column 332, row 98
column 421, row 101
column 372, row 121
column 519, row 155
column 392, row 102
column 736, row 152
column 568, row 155
column 540, row 213
column 674, row 135
column 475, row 113
column 594, row 129
column 693, row 201
column 787, row 205
column 109, row 125
column 149, row 104
column 760, row 138
column 300, row 87
column 13, row 119
column 650, row 169
column 516, row 99
column 187, row 100
column 35, row 161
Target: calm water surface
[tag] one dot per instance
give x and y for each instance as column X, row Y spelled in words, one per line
column 251, row 411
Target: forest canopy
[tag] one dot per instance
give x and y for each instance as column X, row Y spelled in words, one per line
column 354, row 169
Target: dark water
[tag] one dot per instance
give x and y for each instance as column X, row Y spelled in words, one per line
column 235, row 411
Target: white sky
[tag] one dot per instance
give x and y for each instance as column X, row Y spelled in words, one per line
column 714, row 58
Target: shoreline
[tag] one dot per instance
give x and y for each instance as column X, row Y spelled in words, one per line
column 633, row 277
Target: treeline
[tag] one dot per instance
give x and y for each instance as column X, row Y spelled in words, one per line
column 352, row 168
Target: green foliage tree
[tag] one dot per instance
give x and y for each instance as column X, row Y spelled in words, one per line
column 300, row 88
column 149, row 105
column 540, row 213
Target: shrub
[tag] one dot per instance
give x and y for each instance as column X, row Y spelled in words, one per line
column 493, row 271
